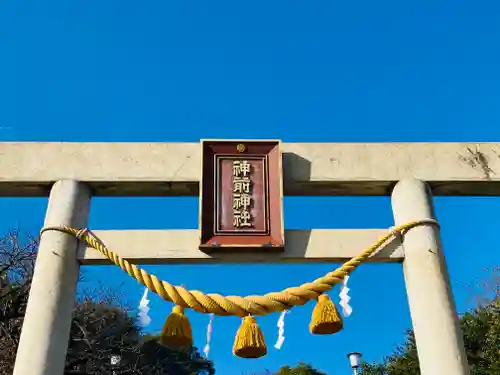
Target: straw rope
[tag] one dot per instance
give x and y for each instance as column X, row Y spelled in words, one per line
column 236, row 305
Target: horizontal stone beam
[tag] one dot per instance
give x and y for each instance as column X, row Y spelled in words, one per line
column 173, row 169
column 181, row 247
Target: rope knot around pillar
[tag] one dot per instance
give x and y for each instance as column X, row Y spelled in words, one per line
column 398, row 232
column 81, row 233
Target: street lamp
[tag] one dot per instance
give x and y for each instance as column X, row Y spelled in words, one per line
column 115, row 362
column 355, row 361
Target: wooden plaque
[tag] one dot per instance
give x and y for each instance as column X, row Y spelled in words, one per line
column 241, row 196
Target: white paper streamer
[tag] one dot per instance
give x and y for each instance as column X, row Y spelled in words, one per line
column 144, row 318
column 344, row 298
column 206, row 350
column 281, row 330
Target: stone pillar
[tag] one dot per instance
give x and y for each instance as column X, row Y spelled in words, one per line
column 44, row 337
column 437, row 333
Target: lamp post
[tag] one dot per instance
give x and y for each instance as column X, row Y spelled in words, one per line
column 115, row 362
column 355, row 361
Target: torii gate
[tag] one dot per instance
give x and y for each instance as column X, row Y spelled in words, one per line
column 70, row 173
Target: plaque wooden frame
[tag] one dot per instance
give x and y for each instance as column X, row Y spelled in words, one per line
column 219, row 218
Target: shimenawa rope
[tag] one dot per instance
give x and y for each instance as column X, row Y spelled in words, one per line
column 236, row 305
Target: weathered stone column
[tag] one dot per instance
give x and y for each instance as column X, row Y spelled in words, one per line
column 437, row 333
column 44, row 337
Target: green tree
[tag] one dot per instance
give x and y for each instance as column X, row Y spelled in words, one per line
column 481, row 329
column 168, row 361
column 300, row 369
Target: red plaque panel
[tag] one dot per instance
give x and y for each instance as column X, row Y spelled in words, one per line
column 241, row 196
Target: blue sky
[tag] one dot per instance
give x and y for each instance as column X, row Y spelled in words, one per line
column 326, row 71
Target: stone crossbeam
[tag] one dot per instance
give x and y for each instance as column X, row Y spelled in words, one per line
column 173, row 169
column 181, row 247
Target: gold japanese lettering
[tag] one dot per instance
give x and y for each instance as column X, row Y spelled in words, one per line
column 241, row 168
column 242, row 201
column 241, row 185
column 242, row 189
column 242, row 219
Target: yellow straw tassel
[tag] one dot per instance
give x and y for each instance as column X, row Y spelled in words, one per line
column 249, row 341
column 325, row 317
column 177, row 331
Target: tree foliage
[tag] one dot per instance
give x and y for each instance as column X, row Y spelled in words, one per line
column 481, row 329
column 300, row 369
column 100, row 329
